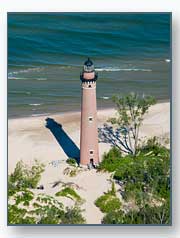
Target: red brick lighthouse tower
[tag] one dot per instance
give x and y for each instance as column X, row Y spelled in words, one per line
column 89, row 155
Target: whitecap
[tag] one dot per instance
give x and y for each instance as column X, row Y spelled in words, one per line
column 41, row 79
column 105, row 98
column 36, row 69
column 40, row 114
column 122, row 69
column 28, row 93
column 35, row 104
column 20, row 92
column 16, row 78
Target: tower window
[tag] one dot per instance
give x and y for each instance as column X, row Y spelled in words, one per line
column 89, row 86
column 91, row 152
column 90, row 119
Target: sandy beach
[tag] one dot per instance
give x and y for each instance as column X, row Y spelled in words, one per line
column 29, row 139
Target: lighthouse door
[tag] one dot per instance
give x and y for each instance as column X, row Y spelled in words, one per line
column 92, row 163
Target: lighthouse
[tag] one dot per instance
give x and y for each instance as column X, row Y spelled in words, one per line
column 89, row 154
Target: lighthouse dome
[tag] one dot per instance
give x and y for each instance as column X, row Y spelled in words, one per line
column 88, row 65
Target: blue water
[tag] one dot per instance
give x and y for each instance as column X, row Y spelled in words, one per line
column 131, row 52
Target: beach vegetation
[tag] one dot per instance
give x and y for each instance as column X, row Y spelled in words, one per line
column 69, row 193
column 145, row 215
column 73, row 216
column 110, row 160
column 24, row 176
column 113, row 189
column 25, row 206
column 24, row 197
column 71, row 171
column 72, row 162
column 17, row 215
column 144, row 180
column 108, row 202
column 44, row 210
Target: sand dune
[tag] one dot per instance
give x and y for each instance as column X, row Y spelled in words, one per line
column 29, row 139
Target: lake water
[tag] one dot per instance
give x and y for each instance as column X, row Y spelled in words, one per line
column 46, row 52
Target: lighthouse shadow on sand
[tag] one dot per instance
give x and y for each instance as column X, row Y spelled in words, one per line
column 66, row 143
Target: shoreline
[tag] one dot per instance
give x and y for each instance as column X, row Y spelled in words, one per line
column 30, row 134
column 74, row 112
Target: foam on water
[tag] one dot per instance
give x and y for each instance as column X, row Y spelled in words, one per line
column 105, row 98
column 168, row 60
column 34, row 69
column 108, row 69
column 16, row 78
column 39, row 114
column 41, row 79
column 35, row 104
column 19, row 92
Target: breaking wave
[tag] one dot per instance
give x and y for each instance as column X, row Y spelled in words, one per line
column 35, row 104
column 105, row 98
column 111, row 69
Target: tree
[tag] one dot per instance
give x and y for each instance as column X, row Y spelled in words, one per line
column 130, row 113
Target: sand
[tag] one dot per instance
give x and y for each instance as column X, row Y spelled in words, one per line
column 29, row 139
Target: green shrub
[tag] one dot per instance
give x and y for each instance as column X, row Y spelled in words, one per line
column 153, row 147
column 26, row 207
column 54, row 215
column 113, row 189
column 24, row 197
column 145, row 215
column 73, row 172
column 72, row 162
column 114, row 217
column 73, row 216
column 107, row 203
column 110, row 160
column 69, row 193
column 145, row 181
column 18, row 215
column 24, row 176
column 47, row 210
column 44, row 209
column 50, row 215
column 146, row 173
